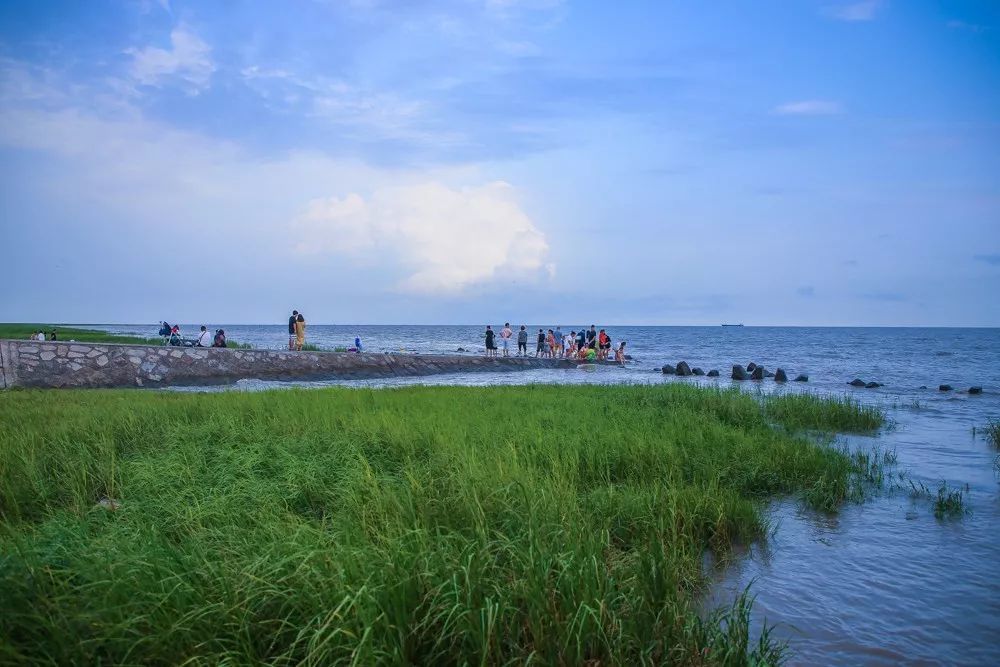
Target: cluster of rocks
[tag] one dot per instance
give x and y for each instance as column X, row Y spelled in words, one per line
column 683, row 369
column 861, row 384
column 947, row 387
column 751, row 372
column 754, row 371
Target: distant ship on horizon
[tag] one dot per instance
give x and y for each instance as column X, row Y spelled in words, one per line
column 733, row 325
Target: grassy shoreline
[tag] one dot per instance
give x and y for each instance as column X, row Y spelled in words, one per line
column 437, row 525
column 19, row 331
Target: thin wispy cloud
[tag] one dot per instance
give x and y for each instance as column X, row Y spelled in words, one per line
column 188, row 60
column 867, row 10
column 968, row 27
column 809, row 108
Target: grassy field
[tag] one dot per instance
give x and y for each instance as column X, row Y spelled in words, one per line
column 443, row 526
column 64, row 333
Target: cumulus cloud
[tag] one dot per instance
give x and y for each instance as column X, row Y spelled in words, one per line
column 188, row 59
column 444, row 239
column 808, row 108
column 866, row 10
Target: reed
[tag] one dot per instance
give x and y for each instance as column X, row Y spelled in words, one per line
column 433, row 525
column 992, row 431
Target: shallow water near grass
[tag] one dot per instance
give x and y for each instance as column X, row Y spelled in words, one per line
column 883, row 582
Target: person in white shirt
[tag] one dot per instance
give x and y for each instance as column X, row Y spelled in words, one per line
column 41, row 336
column 205, row 338
column 569, row 343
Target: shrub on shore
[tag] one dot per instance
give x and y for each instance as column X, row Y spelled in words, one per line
column 444, row 525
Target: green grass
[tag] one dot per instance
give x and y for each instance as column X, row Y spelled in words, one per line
column 17, row 331
column 64, row 333
column 444, row 525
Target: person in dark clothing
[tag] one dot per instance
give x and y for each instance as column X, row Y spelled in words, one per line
column 522, row 341
column 592, row 337
column 491, row 343
column 220, row 339
column 291, row 329
column 540, row 346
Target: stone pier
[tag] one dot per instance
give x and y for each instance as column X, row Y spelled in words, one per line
column 70, row 364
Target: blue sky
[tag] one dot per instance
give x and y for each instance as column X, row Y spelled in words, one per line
column 465, row 161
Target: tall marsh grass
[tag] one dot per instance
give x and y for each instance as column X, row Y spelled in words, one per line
column 444, row 525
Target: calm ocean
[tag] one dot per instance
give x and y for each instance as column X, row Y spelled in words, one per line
column 883, row 582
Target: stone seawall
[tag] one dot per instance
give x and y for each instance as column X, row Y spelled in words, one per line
column 68, row 364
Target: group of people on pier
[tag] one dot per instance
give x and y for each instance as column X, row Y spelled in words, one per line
column 588, row 345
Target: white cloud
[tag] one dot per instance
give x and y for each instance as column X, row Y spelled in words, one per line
column 445, row 239
column 808, row 108
column 866, row 10
column 188, row 58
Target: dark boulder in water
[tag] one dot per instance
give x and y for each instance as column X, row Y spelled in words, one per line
column 739, row 373
column 751, row 366
column 758, row 373
column 461, row 349
column 780, row 375
column 975, row 390
column 697, row 371
column 873, row 385
column 857, row 382
column 923, row 386
column 802, row 378
column 683, row 369
column 713, row 373
column 768, row 374
column 669, row 370
column 945, row 387
column 628, row 357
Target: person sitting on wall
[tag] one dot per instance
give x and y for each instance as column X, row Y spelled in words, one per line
column 204, row 338
column 53, row 336
column 175, row 336
column 357, row 344
column 220, row 339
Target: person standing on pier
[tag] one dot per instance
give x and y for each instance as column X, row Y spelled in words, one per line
column 522, row 342
column 505, row 335
column 300, row 332
column 491, row 344
column 291, row 329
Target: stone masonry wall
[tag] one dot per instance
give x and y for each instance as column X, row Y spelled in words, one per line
column 67, row 364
